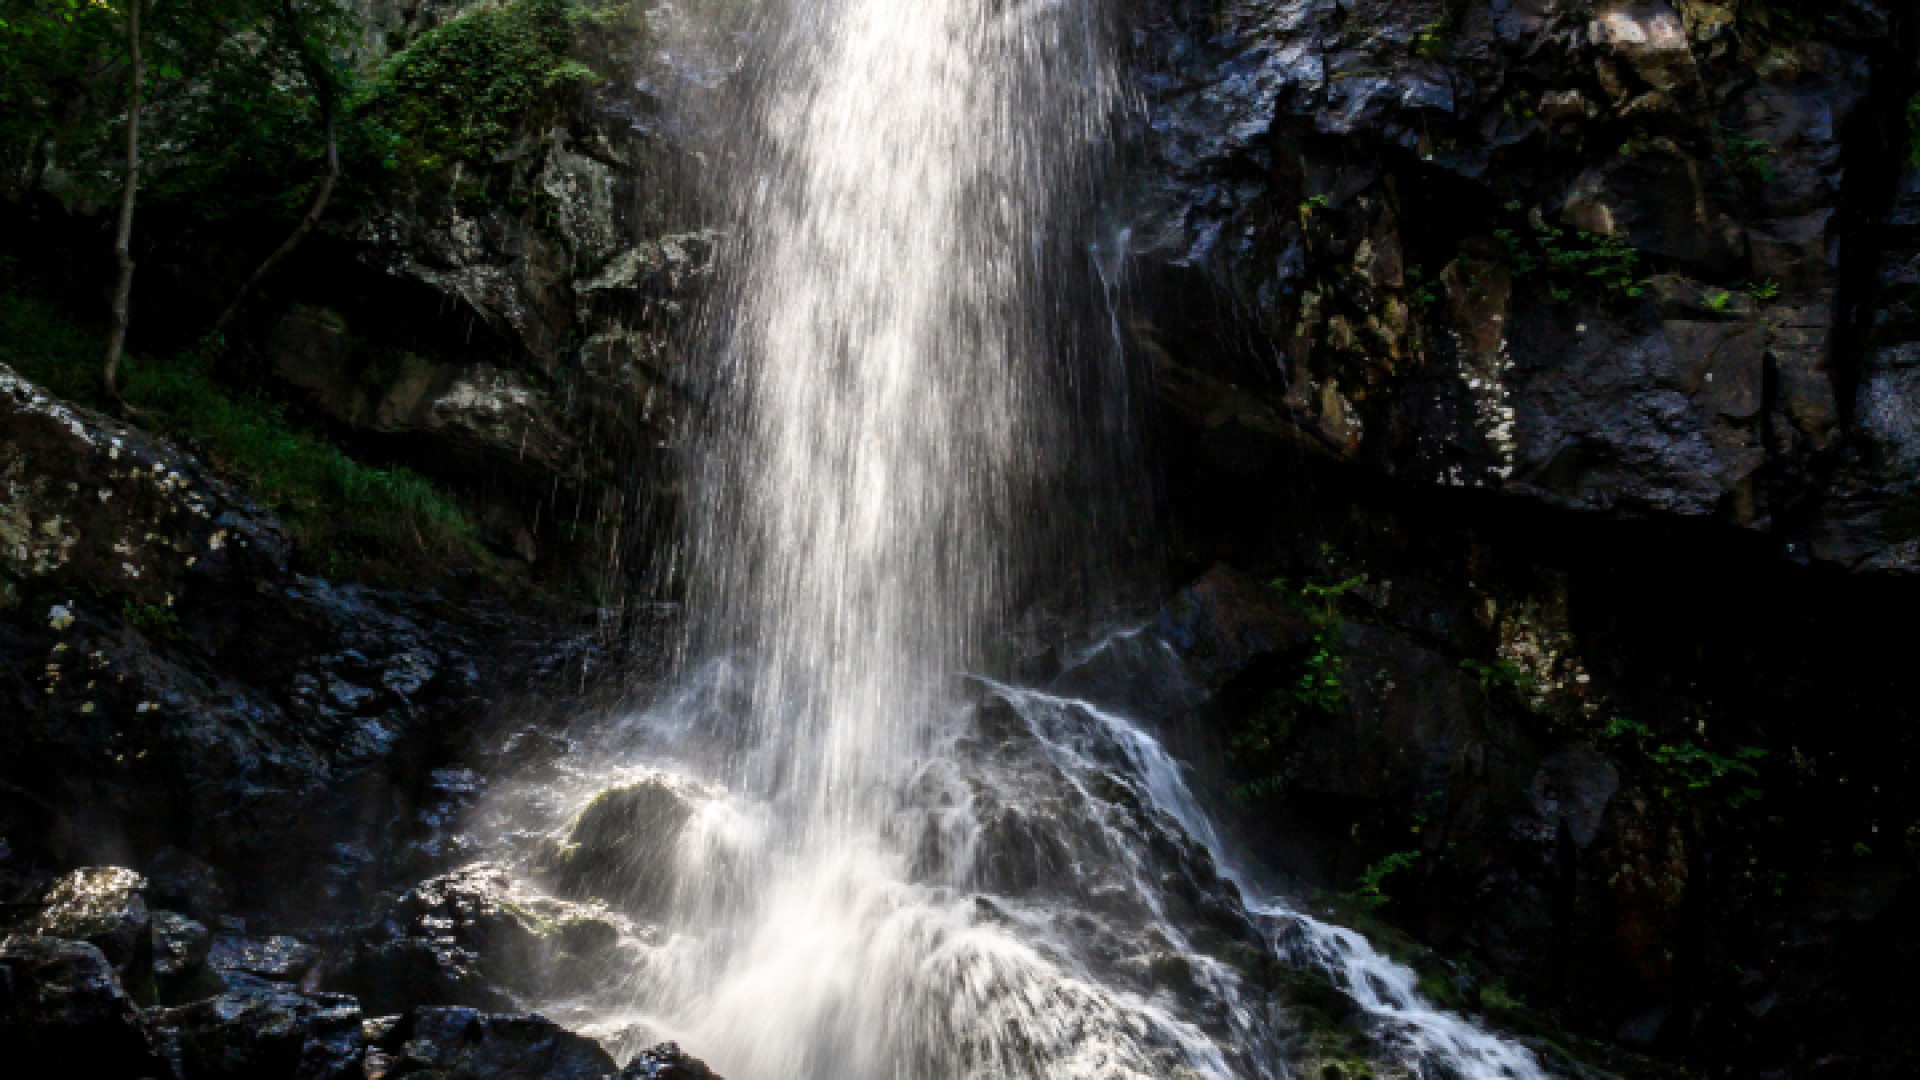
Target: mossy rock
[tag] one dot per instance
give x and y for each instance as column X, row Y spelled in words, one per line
column 1339, row 1068
column 619, row 848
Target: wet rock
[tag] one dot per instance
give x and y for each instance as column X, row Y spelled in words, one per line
column 619, row 848
column 263, row 1033
column 91, row 499
column 276, row 959
column 477, row 937
column 102, row 906
column 62, row 1012
column 1225, row 619
column 667, row 1062
column 184, row 883
column 1572, row 789
column 1439, row 242
column 480, row 413
column 466, row 1044
column 176, row 687
column 180, row 948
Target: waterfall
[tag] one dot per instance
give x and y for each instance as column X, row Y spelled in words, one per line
column 859, row 861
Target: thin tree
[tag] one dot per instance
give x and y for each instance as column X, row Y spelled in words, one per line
column 327, row 92
column 123, row 236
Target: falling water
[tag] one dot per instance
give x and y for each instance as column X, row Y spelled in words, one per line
column 874, row 865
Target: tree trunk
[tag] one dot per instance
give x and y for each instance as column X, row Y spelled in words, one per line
column 319, row 207
column 123, row 238
column 324, row 89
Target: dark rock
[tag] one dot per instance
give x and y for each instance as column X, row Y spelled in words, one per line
column 480, row 414
column 477, row 937
column 619, row 847
column 63, row 1012
column 184, row 883
column 466, row 1044
column 1411, row 207
column 1572, row 788
column 667, row 1062
column 188, row 692
column 180, row 948
column 275, row 959
column 102, row 906
column 1224, row 620
column 263, row 1033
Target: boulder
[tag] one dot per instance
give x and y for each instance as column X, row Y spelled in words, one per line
column 277, row 959
column 63, row 1013
column 173, row 686
column 467, row 1044
column 263, row 1033
column 102, row 906
column 476, row 937
column 180, row 948
column 667, row 1062
column 619, row 847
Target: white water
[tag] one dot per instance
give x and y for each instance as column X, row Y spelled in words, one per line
column 890, row 872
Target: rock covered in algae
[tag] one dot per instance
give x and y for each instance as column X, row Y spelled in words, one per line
column 619, row 848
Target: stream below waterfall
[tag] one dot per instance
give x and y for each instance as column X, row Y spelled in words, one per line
column 1045, row 897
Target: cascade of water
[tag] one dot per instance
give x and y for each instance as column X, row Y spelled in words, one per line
column 863, row 867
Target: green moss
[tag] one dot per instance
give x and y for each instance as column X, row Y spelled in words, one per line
column 463, row 91
column 340, row 511
column 1913, row 132
column 535, row 923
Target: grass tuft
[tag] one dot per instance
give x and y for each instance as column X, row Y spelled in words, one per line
column 341, row 512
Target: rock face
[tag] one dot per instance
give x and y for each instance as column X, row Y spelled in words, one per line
column 102, row 906
column 170, row 681
column 263, row 1032
column 504, row 317
column 62, row 1008
column 477, row 937
column 454, row 1044
column 1618, row 257
column 1565, row 344
column 63, row 1004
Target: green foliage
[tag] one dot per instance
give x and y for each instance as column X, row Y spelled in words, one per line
column 326, row 498
column 1568, row 259
column 1320, row 685
column 1685, row 769
column 1719, row 302
column 1913, row 132
column 61, row 73
column 250, row 140
column 1679, row 769
column 1370, row 893
column 1502, row 672
column 1751, row 158
column 462, row 91
column 1431, row 41
column 151, row 617
column 63, row 86
column 1765, row 292
column 338, row 509
column 1309, row 207
column 1422, row 292
column 1320, row 688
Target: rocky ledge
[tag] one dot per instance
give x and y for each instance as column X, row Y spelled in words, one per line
column 94, row 982
column 213, row 768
